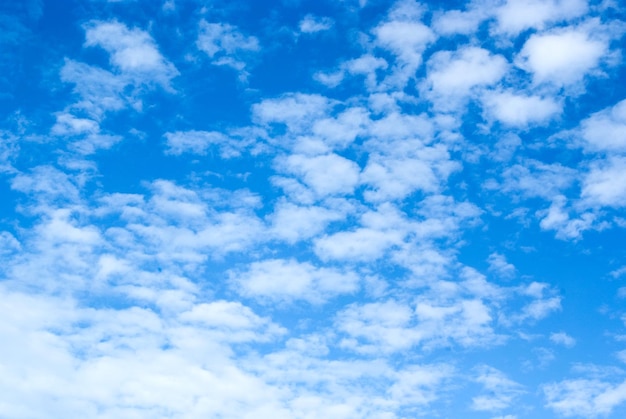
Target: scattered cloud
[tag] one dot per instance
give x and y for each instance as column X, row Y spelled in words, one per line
column 132, row 51
column 394, row 201
column 311, row 24
column 562, row 56
column 562, row 338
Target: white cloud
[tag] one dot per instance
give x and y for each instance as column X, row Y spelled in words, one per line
column 366, row 65
column 405, row 36
column 68, row 124
column 401, row 161
column 380, row 230
column 132, row 50
column 328, row 174
column 287, row 280
column 453, row 75
column 540, row 308
column 618, row 272
column 500, row 391
column 296, row 110
column 88, row 130
column 312, row 24
column 8, row 243
column 562, row 56
column 100, row 90
column 226, row 45
column 200, row 142
column 236, row 321
column 47, row 182
column 605, row 184
column 359, row 213
column 129, row 362
column 606, row 130
column 364, row 244
column 557, row 217
column 584, row 397
column 292, row 223
column 520, row 110
column 515, row 16
column 420, row 385
column 453, row 22
column 412, row 167
column 381, row 326
column 536, row 179
column 562, row 338
column 341, row 131
column 499, row 265
column 393, row 326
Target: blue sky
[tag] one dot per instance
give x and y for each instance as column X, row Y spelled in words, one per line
column 312, row 209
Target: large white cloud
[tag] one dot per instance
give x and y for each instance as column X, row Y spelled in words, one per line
column 453, row 75
column 563, row 56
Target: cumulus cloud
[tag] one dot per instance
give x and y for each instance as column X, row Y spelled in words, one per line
column 347, row 254
column 293, row 223
column 562, row 56
column 606, row 130
column 586, row 397
column 515, row 16
column 605, row 185
column 406, row 37
column 453, row 22
column 295, row 110
column 453, row 75
column 133, row 51
column 328, row 174
column 286, row 280
column 520, row 110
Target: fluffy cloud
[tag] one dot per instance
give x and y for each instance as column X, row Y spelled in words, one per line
column 606, row 130
column 520, row 110
column 515, row 16
column 328, row 174
column 133, row 51
column 605, row 185
column 584, row 397
column 296, row 110
column 286, row 280
column 336, row 253
column 293, row 223
column 453, row 75
column 562, row 56
column 406, row 37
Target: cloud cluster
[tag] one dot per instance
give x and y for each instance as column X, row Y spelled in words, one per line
column 401, row 230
